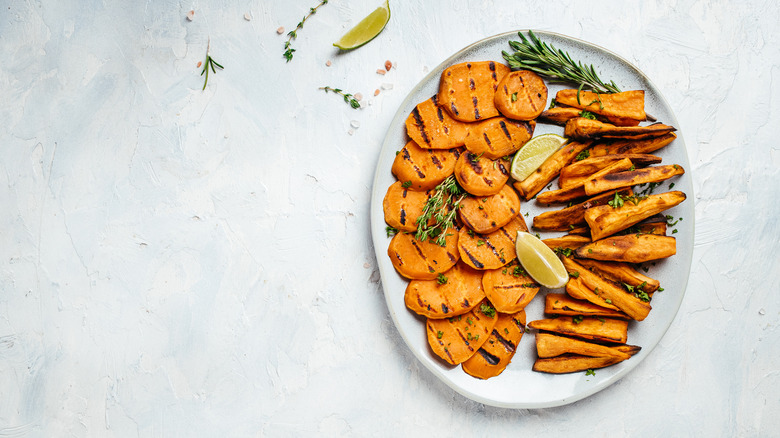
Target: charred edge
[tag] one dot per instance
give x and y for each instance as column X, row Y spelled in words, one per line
column 475, row 166
column 492, row 67
column 502, row 124
column 489, row 358
column 435, row 99
column 629, row 175
column 510, row 286
column 405, row 154
column 508, row 345
column 529, row 129
column 474, row 260
column 420, row 124
column 454, row 109
column 476, row 110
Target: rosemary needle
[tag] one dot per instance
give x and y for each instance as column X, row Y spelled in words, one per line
column 210, row 63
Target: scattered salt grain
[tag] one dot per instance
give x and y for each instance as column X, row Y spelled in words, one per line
column 388, row 65
column 191, row 15
column 355, row 124
column 387, row 86
column 358, row 96
column 328, row 63
column 366, row 265
column 280, row 30
column 247, row 16
column 762, row 312
column 351, row 132
column 199, row 64
column 379, row 71
column 376, row 92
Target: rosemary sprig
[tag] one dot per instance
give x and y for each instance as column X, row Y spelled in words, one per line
column 555, row 64
column 293, row 34
column 442, row 206
column 210, row 63
column 348, row 97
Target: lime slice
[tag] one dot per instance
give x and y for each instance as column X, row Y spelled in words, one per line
column 533, row 154
column 366, row 30
column 540, row 261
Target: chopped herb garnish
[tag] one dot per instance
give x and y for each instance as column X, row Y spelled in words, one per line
column 391, row 231
column 441, row 279
column 577, row 319
column 487, row 310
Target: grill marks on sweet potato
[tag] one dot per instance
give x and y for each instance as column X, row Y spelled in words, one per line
column 509, row 288
column 581, row 128
column 492, row 250
column 423, row 169
column 492, row 358
column 485, row 214
column 498, row 137
column 521, row 95
column 624, row 105
column 402, row 207
column 458, row 293
column 630, row 248
column 431, row 127
column 458, row 338
column 481, row 176
column 424, row 260
column 467, row 90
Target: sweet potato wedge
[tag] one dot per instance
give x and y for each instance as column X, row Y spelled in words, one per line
column 576, row 289
column 569, row 241
column 572, row 363
column 621, row 273
column 548, row 345
column 456, row 292
column 485, row 214
column 509, row 288
column 605, row 220
column 521, row 95
column 481, row 176
column 588, row 328
column 423, row 169
column 579, row 191
column 559, row 115
column 631, row 146
column 574, row 216
column 492, row 358
column 579, row 171
column 609, row 293
column 458, row 338
column 467, row 90
column 492, row 250
column 431, row 127
column 529, row 187
column 402, row 206
column 618, row 180
column 418, row 260
column 624, row 105
column 563, row 304
column 581, row 128
column 498, row 137
column 630, row 248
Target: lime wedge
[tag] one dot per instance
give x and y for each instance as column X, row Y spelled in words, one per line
column 540, row 261
column 366, row 30
column 533, row 154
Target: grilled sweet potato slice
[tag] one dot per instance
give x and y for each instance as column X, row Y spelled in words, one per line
column 579, row 171
column 431, row 127
column 509, row 288
column 495, row 354
column 563, row 304
column 588, row 328
column 624, row 105
column 631, row 146
column 425, row 260
column 498, row 137
column 574, row 216
column 485, row 214
column 481, row 176
column 423, row 169
column 548, row 345
column 630, row 248
column 467, row 90
column 618, row 180
column 521, row 95
column 581, row 128
column 402, row 206
column 458, row 338
column 608, row 292
column 492, row 250
column 535, row 182
column 606, row 220
column 572, row 363
column 456, row 292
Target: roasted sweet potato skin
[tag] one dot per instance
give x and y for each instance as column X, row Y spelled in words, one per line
column 606, row 220
column 623, row 105
column 630, row 248
column 588, row 328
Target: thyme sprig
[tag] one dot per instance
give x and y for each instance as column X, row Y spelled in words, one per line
column 293, row 34
column 442, row 207
column 555, row 64
column 210, row 63
column 348, row 97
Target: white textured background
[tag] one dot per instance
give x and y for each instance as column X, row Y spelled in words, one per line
column 178, row 262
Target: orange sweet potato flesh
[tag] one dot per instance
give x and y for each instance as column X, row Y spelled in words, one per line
column 569, row 241
column 574, row 216
column 631, row 146
column 587, row 328
column 627, row 104
column 609, row 293
column 424, row 260
column 492, row 250
column 431, row 127
column 562, row 304
column 521, row 95
column 402, row 207
column 581, row 128
column 498, row 137
column 458, row 338
column 467, row 90
column 509, row 288
column 621, row 273
column 548, row 345
column 549, row 170
column 572, row 363
column 618, row 180
column 577, row 289
column 559, row 115
column 630, row 248
column 579, row 190
column 458, row 293
column 579, row 171
column 495, row 354
column 423, row 169
column 481, row 176
column 485, row 214
column 605, row 220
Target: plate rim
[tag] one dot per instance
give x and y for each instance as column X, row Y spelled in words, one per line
column 378, row 236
